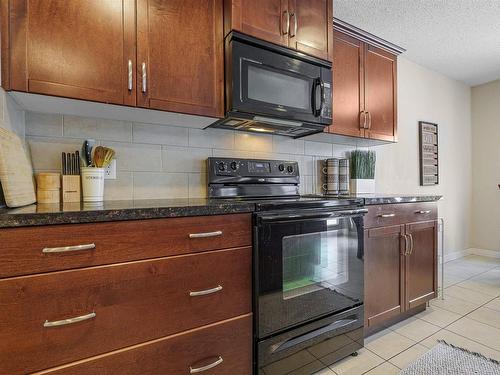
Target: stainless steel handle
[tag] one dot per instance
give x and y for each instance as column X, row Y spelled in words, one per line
column 207, row 234
column 369, row 120
column 386, row 215
column 63, row 322
column 130, row 75
column 218, row 288
column 295, row 26
column 364, row 119
column 423, row 212
column 406, row 243
column 411, row 244
column 315, row 215
column 65, row 249
column 287, row 17
column 144, row 77
column 195, row 370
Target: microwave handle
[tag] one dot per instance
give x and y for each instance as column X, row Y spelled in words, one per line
column 318, row 82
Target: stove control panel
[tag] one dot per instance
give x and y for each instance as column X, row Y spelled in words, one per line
column 240, row 168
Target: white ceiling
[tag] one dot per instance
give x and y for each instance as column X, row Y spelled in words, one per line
column 459, row 38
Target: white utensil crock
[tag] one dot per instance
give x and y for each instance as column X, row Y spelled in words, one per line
column 93, row 184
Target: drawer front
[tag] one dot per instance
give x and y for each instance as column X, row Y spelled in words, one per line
column 132, row 302
column 105, row 243
column 227, row 346
column 395, row 214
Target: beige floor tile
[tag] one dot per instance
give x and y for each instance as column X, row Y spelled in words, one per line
column 364, row 362
column 491, row 289
column 387, row 343
column 385, row 368
column 455, row 305
column 450, row 280
column 438, row 317
column 487, row 316
column 462, row 342
column 495, row 304
column 467, row 295
column 409, row 355
column 415, row 329
column 477, row 331
column 478, row 259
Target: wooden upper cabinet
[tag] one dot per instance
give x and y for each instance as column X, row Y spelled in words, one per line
column 348, row 90
column 380, row 94
column 263, row 19
column 79, row 49
column 421, row 263
column 311, row 29
column 180, row 56
column 384, row 276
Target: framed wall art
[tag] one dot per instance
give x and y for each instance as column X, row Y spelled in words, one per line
column 429, row 153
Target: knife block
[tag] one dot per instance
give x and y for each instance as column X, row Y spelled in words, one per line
column 71, row 192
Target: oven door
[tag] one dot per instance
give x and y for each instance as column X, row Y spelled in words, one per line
column 308, row 265
column 271, row 84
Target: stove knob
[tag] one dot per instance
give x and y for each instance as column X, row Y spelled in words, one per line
column 222, row 166
column 289, row 169
column 234, row 165
column 281, row 167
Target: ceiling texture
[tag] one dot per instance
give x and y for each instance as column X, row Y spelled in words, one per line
column 458, row 38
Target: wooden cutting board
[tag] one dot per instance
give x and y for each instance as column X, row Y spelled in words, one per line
column 16, row 173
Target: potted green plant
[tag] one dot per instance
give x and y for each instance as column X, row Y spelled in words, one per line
column 362, row 172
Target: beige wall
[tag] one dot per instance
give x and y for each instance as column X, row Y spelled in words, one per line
column 424, row 95
column 486, row 166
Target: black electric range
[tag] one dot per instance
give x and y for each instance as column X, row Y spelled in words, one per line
column 308, row 263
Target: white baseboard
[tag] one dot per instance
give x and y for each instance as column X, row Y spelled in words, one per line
column 456, row 254
column 484, row 252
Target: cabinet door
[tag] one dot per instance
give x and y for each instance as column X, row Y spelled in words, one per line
column 384, row 273
column 421, row 263
column 348, row 86
column 311, row 28
column 263, row 19
column 78, row 50
column 380, row 94
column 180, row 56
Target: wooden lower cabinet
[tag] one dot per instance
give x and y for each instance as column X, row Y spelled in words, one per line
column 225, row 345
column 400, row 262
column 384, row 278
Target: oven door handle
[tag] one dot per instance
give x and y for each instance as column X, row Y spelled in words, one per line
column 315, row 215
column 311, row 335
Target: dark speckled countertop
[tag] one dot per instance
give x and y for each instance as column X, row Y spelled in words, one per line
column 48, row 214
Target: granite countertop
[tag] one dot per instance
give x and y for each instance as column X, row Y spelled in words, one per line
column 69, row 213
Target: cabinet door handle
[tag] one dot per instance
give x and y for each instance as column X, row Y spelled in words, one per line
column 423, row 212
column 386, row 215
column 206, row 234
column 369, row 120
column 130, row 75
column 286, row 15
column 63, row 322
column 295, row 26
column 65, row 249
column 218, row 288
column 144, row 77
column 406, row 244
column 195, row 370
column 411, row 244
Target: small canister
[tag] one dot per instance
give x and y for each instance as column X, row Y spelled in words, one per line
column 48, row 187
column 93, row 184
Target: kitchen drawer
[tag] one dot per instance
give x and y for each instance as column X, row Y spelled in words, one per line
column 228, row 343
column 401, row 213
column 132, row 302
column 22, row 248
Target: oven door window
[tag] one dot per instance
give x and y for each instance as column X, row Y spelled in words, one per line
column 308, row 269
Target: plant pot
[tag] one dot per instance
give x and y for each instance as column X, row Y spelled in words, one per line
column 362, row 186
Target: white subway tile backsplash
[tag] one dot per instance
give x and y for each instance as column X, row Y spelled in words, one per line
column 162, row 161
column 185, row 159
column 44, row 124
column 159, row 134
column 149, row 185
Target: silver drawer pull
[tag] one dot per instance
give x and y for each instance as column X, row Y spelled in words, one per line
column 423, row 212
column 195, row 370
column 65, row 249
column 63, row 322
column 207, row 234
column 386, row 215
column 218, row 288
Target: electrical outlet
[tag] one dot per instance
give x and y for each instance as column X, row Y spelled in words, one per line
column 110, row 171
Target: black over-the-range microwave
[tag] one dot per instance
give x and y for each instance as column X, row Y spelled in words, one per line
column 273, row 89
